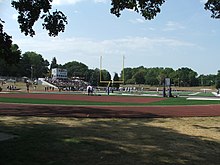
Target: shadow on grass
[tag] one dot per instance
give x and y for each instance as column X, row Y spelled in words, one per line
column 80, row 141
column 75, row 111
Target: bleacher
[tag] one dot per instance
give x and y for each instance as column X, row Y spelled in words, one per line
column 68, row 84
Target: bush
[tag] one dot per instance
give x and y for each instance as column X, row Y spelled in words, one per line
column 0, row 89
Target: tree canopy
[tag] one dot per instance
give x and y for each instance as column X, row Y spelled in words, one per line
column 53, row 63
column 33, row 65
column 155, row 76
column 76, row 69
column 6, row 45
column 217, row 84
column 214, row 7
column 29, row 11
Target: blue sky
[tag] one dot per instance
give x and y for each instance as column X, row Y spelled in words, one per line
column 182, row 35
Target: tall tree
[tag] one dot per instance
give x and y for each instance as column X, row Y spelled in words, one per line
column 165, row 73
column 16, row 53
column 33, row 65
column 105, row 76
column 115, row 79
column 53, row 63
column 207, row 80
column 5, row 46
column 94, row 77
column 151, row 77
column 9, row 67
column 25, row 66
column 76, row 69
column 217, row 83
column 140, row 77
column 187, row 77
column 127, row 74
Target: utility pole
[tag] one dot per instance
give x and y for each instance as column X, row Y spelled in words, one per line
column 31, row 72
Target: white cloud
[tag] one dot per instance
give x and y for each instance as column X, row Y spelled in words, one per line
column 90, row 46
column 151, row 28
column 3, row 2
column 100, row 1
column 203, row 1
column 138, row 20
column 65, row 2
column 88, row 51
column 14, row 16
column 171, row 26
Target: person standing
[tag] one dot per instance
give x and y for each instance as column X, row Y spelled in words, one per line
column 28, row 87
column 89, row 89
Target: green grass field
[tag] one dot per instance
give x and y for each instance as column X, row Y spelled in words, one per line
column 168, row 101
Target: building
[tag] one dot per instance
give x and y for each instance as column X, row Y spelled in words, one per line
column 58, row 73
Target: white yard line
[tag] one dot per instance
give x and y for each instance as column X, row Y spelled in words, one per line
column 203, row 98
column 193, row 94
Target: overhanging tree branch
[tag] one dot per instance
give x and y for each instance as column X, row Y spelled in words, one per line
column 214, row 7
column 147, row 8
column 31, row 10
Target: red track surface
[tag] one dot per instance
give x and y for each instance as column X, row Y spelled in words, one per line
column 103, row 111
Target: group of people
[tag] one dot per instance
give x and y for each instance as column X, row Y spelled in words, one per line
column 47, row 89
column 67, row 84
column 11, row 87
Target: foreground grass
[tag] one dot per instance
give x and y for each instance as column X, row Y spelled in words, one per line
column 168, row 102
column 68, row 141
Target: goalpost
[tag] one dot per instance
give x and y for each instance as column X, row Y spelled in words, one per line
column 112, row 81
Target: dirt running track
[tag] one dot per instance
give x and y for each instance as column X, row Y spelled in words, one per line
column 103, row 111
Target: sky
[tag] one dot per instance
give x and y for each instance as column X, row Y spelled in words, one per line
column 183, row 34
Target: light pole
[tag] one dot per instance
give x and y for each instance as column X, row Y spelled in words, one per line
column 31, row 72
